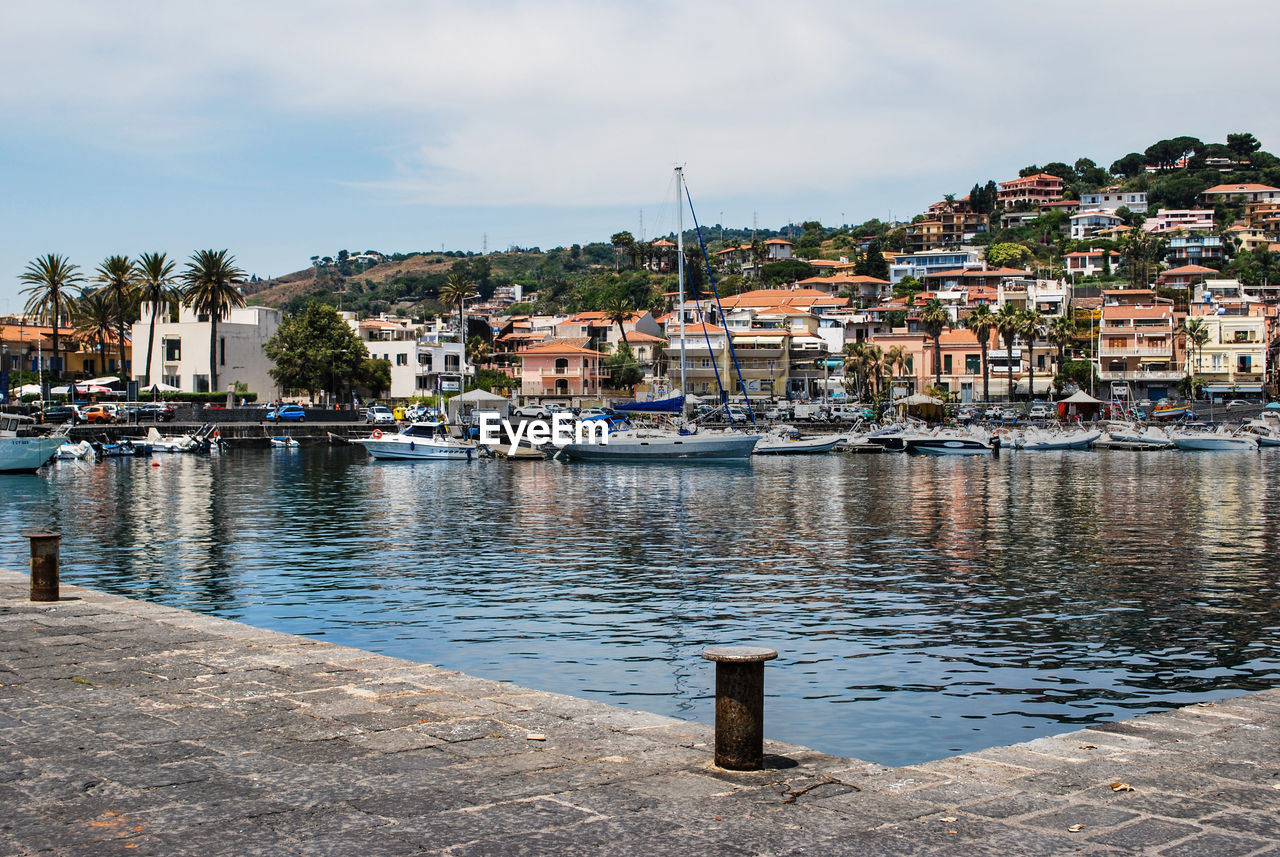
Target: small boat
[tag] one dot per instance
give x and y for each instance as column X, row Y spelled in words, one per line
column 950, row 443
column 1173, row 412
column 1206, row 441
column 20, row 451
column 124, row 449
column 1127, row 435
column 75, row 451
column 786, row 440
column 1267, row 431
column 284, row 442
column 522, row 452
column 645, row 444
column 420, row 441
column 1038, row 440
column 160, row 443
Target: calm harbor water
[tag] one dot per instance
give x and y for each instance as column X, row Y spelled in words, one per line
column 921, row 606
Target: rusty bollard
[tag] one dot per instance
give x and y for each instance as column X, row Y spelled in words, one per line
column 44, row 565
column 739, row 705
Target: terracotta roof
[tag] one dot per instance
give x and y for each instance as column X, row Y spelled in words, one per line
column 697, row 329
column 1239, row 188
column 825, row 263
column 553, row 348
column 781, row 310
column 1189, row 269
column 641, row 336
column 1088, row 253
column 776, row 241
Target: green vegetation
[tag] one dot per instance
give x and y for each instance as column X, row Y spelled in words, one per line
column 316, row 350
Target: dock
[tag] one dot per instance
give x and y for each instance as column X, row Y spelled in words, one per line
column 133, row 728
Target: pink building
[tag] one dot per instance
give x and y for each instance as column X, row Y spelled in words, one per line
column 559, row 369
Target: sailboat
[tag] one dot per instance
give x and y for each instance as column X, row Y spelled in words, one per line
column 657, row 444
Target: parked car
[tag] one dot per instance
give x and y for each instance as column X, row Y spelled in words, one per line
column 380, row 415
column 157, row 412
column 965, row 415
column 1238, row 403
column 533, row 412
column 736, row 414
column 100, row 414
column 1038, row 412
column 58, row 414
column 585, row 413
column 991, row 413
column 288, row 413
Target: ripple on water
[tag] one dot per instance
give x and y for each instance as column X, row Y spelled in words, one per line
column 921, row 606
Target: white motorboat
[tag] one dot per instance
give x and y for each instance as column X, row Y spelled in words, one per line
column 21, row 452
column 1038, row 440
column 786, row 440
column 1267, row 431
column 420, row 441
column 1127, row 435
column 1205, row 441
column 949, row 443
column 181, row 443
column 74, row 451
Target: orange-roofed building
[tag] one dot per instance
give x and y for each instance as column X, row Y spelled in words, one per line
column 1090, row 263
column 1035, row 189
column 1185, row 276
column 561, row 370
column 1247, row 193
column 1137, row 342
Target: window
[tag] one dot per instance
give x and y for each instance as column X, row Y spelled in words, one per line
column 451, row 363
column 1244, row 363
column 562, row 365
column 423, row 382
column 90, row 366
column 402, row 359
column 424, row 360
column 946, row 363
column 202, row 383
column 911, row 369
column 171, row 380
column 972, row 364
column 705, row 363
column 222, row 351
column 172, row 350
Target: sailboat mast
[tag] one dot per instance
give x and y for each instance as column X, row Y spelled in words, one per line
column 684, row 390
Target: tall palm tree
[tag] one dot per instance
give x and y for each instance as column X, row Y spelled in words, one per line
column 1061, row 332
column 1009, row 325
column 455, row 290
column 49, row 279
column 934, row 318
column 1195, row 334
column 1032, row 327
column 93, row 318
column 210, row 279
column 618, row 310
column 982, row 321
column 854, row 365
column 157, row 287
column 896, row 361
column 875, row 368
column 119, row 280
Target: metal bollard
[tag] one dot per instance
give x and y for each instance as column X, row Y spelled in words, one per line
column 44, row 565
column 739, row 705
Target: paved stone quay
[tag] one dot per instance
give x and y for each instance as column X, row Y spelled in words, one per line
column 131, row 728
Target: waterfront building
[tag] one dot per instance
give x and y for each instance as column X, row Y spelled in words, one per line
column 560, row 371
column 1137, row 342
column 860, row 287
column 1249, row 238
column 1233, row 361
column 28, row 346
column 706, row 353
column 180, row 355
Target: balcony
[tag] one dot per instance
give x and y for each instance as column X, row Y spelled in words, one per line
column 1143, row 375
column 1108, row 351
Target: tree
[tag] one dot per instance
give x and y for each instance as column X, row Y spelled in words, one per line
column 1061, row 333
column 623, row 243
column 934, row 318
column 50, row 279
column 872, row 263
column 1032, row 327
column 908, row 287
column 211, row 279
column 1141, row 250
column 1130, row 166
column 786, row 271
column 982, row 321
column 895, row 360
column 375, row 375
column 1195, row 334
column 119, row 280
column 454, row 292
column 479, row 351
column 1009, row 325
column 315, row 350
column 624, row 371
column 157, row 287
column 92, row 318
column 1243, row 145
column 1007, row 255
column 618, row 310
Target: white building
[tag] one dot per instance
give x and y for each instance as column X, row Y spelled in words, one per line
column 180, row 354
column 1112, row 198
column 1169, row 219
column 1088, row 223
column 422, row 356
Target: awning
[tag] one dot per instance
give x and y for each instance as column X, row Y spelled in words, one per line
column 1232, row 388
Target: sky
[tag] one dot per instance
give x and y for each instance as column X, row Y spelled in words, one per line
column 284, row 130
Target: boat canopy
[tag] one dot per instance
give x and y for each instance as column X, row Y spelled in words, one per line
column 661, row 406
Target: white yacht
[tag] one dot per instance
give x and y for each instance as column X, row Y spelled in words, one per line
column 21, row 452
column 786, row 440
column 421, row 441
column 1201, row 441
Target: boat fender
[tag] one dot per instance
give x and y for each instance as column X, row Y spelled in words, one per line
column 217, row 435
column 412, row 445
column 377, row 434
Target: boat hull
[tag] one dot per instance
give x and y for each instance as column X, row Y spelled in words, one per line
column 665, row 448
column 1216, row 444
column 415, row 449
column 27, row 454
column 948, row 446
column 804, row 446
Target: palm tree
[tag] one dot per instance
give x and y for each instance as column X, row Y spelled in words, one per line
column 875, row 368
column 618, row 310
column 92, row 319
column 934, row 318
column 855, row 365
column 455, row 290
column 479, row 352
column 1009, row 325
column 982, row 321
column 1062, row 332
column 1032, row 327
column 896, row 361
column 119, row 280
column 1195, row 333
column 49, row 278
column 156, row 286
column 210, row 279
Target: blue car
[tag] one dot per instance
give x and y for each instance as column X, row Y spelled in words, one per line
column 288, row 413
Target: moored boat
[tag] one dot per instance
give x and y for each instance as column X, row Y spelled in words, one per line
column 786, row 440
column 21, row 452
column 1207, row 441
column 421, row 441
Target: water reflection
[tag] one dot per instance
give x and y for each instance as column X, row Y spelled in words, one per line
column 921, row 606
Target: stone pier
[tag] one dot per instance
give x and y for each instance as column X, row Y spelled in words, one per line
column 134, row 729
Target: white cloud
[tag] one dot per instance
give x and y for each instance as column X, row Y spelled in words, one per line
column 584, row 103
